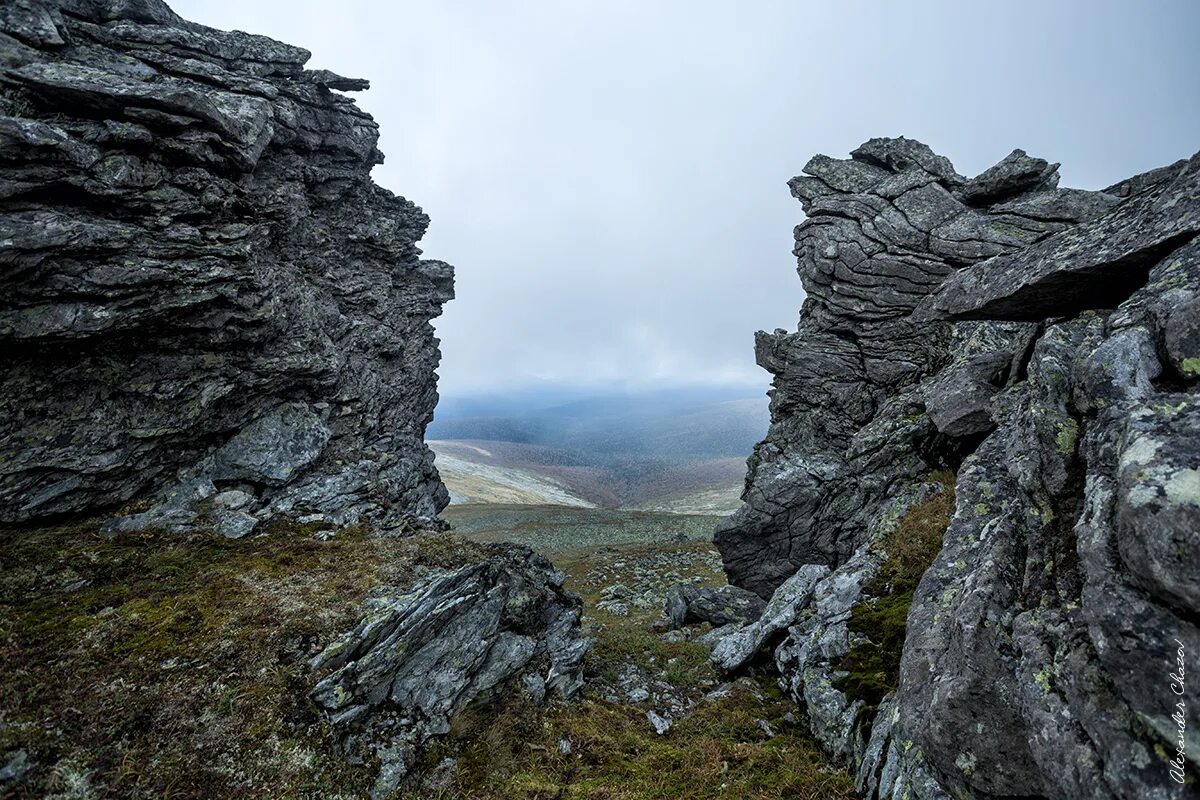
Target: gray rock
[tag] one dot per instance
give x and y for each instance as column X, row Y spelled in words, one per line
column 1017, row 173
column 421, row 656
column 274, row 448
column 15, row 767
column 959, row 399
column 200, row 278
column 1097, row 264
column 853, row 402
column 638, row 694
column 690, row 605
column 234, row 500
column 660, row 723
column 1044, row 344
column 901, row 155
column 535, row 686
column 734, row 651
column 233, row 524
column 618, row 608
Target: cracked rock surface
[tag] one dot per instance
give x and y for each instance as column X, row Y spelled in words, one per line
column 201, row 289
column 420, row 656
column 1043, row 344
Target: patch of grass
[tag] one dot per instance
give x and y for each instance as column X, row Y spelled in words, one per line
column 511, row 749
column 879, row 624
column 717, row 751
column 631, row 638
column 166, row 666
column 161, row 666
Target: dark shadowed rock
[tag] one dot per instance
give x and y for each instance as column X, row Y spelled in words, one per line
column 200, row 282
column 959, row 400
column 1095, row 265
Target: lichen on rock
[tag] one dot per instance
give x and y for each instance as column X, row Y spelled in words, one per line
column 1038, row 342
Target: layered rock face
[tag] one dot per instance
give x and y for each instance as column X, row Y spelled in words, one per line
column 457, row 636
column 1044, row 344
column 202, row 292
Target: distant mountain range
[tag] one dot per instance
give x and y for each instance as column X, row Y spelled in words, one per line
column 680, row 450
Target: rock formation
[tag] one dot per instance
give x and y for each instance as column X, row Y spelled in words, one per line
column 420, row 657
column 1043, row 344
column 203, row 295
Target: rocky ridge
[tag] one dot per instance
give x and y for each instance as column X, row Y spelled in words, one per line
column 1043, row 344
column 205, row 297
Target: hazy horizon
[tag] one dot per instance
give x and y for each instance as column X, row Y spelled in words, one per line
column 609, row 179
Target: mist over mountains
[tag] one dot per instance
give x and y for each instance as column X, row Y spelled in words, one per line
column 666, row 449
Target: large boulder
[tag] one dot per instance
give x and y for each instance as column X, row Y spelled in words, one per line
column 200, row 284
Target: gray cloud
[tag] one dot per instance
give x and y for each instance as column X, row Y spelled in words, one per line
column 609, row 177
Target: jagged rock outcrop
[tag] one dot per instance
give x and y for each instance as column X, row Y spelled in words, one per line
column 203, row 293
column 1043, row 344
column 457, row 636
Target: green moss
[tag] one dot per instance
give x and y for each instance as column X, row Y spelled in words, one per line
column 878, row 625
column 1190, row 367
column 169, row 666
column 176, row 667
column 1068, row 435
column 511, row 750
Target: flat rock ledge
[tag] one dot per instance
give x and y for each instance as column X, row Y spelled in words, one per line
column 455, row 637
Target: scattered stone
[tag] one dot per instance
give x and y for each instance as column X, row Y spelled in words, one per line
column 660, row 723
column 615, row 607
column 15, row 767
column 688, row 605
column 233, row 524
column 638, row 694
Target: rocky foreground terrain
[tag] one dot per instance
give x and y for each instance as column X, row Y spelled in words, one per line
column 978, row 506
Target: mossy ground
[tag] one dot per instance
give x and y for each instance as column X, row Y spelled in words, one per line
column 161, row 666
column 512, row 750
column 717, row 751
column 873, row 663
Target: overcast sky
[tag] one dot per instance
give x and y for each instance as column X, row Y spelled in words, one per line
column 609, row 177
